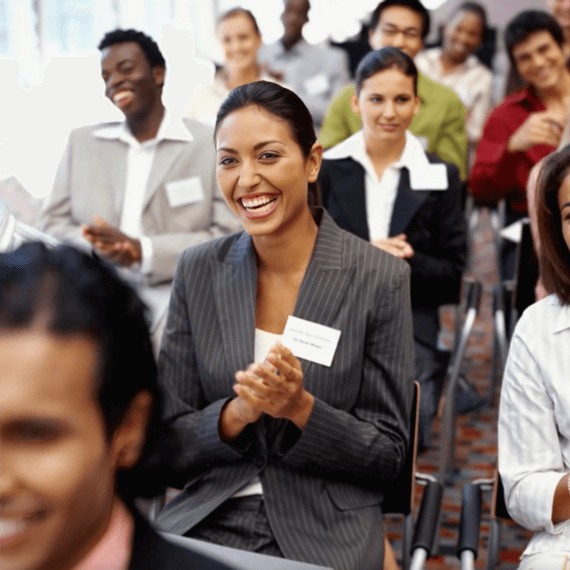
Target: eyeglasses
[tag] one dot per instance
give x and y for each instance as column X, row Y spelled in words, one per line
column 391, row 31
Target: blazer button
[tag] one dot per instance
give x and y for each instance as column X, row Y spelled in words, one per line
column 259, row 462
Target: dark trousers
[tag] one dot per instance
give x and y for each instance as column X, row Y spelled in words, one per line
column 239, row 523
column 431, row 365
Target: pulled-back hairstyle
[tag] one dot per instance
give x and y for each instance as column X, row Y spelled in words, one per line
column 283, row 104
column 238, row 11
column 476, row 9
column 414, row 5
column 554, row 253
column 530, row 22
column 69, row 293
column 146, row 43
column 386, row 58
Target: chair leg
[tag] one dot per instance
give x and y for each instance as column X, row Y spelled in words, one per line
column 407, row 540
column 494, row 540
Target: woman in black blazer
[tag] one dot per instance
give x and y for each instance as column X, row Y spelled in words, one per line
column 382, row 186
column 273, row 438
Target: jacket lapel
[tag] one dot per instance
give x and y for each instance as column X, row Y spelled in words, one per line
column 166, row 154
column 113, row 160
column 348, row 191
column 406, row 205
column 235, row 290
column 326, row 279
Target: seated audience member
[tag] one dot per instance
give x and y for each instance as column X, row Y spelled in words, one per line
column 141, row 191
column 534, row 435
column 528, row 125
column 80, row 429
column 314, row 72
column 240, row 38
column 454, row 65
column 440, row 121
column 289, row 451
column 381, row 185
column 561, row 12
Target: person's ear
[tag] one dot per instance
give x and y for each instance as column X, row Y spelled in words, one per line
column 314, row 162
column 355, row 104
column 129, row 437
column 159, row 73
column 417, row 104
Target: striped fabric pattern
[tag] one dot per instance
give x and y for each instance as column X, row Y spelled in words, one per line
column 322, row 486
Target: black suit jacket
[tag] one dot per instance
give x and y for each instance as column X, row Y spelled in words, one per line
column 323, row 486
column 432, row 220
column 152, row 552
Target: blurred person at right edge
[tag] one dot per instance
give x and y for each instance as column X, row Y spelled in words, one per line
column 540, row 291
column 527, row 125
column 455, row 65
column 440, row 121
column 534, row 431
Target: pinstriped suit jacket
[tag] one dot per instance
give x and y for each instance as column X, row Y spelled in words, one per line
column 322, row 486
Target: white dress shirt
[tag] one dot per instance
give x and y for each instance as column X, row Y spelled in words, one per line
column 534, row 422
column 380, row 193
column 472, row 81
column 139, row 164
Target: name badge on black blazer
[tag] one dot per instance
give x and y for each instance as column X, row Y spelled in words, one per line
column 429, row 177
column 310, row 341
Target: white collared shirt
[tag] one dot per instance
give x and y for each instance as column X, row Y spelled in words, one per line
column 534, row 422
column 380, row 193
column 139, row 164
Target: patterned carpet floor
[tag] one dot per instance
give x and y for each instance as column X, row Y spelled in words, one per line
column 476, row 432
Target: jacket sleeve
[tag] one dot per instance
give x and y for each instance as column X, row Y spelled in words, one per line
column 496, row 171
column 370, row 441
column 451, row 142
column 56, row 217
column 168, row 246
column 185, row 407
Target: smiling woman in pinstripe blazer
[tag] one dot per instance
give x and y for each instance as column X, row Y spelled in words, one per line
column 284, row 455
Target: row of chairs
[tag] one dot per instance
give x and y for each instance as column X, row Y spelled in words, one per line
column 510, row 299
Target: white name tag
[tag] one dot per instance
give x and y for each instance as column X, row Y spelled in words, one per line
column 310, row 341
column 185, row 191
column 317, row 85
column 429, row 177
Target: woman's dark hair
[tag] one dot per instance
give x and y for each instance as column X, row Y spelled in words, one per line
column 238, row 11
column 554, row 254
column 70, row 293
column 414, row 5
column 476, row 9
column 146, row 43
column 283, row 104
column 386, row 58
column 530, row 22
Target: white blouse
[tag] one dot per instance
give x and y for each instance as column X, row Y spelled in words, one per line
column 534, row 422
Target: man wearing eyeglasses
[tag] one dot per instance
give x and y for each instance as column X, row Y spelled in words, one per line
column 440, row 122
